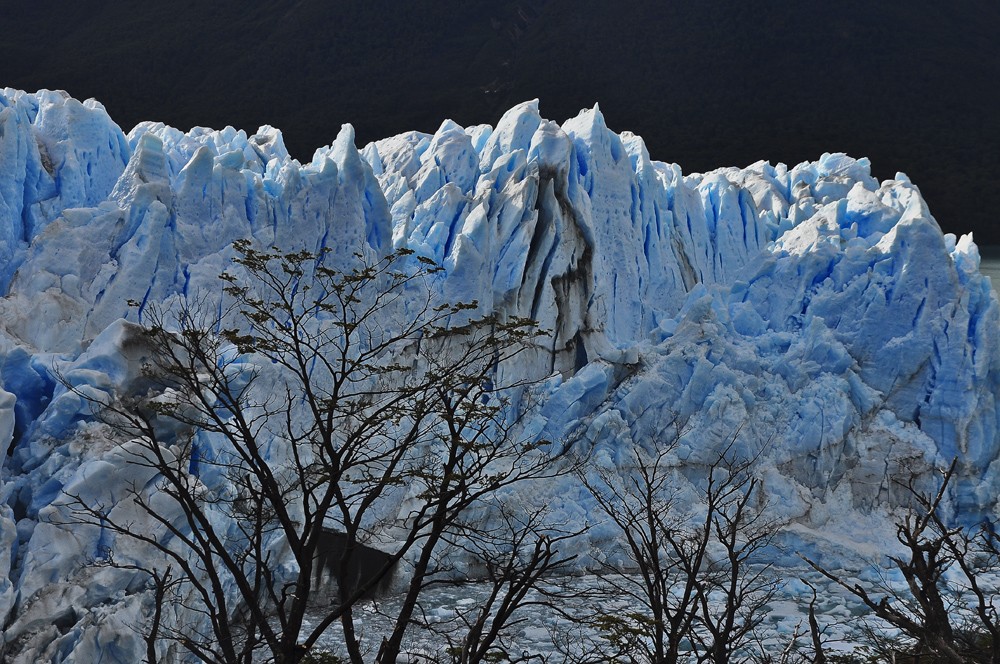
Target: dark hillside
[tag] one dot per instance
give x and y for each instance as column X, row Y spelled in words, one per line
column 912, row 85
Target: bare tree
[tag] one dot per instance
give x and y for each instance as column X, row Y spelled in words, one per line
column 691, row 573
column 734, row 590
column 792, row 652
column 518, row 558
column 948, row 609
column 318, row 398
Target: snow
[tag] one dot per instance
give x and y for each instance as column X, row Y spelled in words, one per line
column 819, row 312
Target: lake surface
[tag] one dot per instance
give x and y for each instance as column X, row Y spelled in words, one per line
column 990, row 264
column 536, row 628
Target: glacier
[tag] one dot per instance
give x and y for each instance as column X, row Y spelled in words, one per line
column 822, row 314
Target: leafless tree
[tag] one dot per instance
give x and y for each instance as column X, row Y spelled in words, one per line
column 318, row 398
column 948, row 609
column 792, row 652
column 692, row 573
column 518, row 559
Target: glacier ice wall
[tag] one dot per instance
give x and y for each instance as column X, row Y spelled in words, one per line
column 821, row 314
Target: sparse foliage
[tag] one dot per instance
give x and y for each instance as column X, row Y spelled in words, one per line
column 317, row 398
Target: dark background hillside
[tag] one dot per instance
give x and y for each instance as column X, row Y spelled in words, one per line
column 913, row 86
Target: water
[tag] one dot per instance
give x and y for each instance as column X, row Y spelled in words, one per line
column 990, row 264
column 537, row 628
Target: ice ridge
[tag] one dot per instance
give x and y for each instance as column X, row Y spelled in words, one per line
column 821, row 314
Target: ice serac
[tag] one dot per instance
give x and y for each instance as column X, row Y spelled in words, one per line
column 56, row 153
column 815, row 314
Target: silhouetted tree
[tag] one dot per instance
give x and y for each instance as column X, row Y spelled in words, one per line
column 693, row 570
column 318, row 399
column 948, row 610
